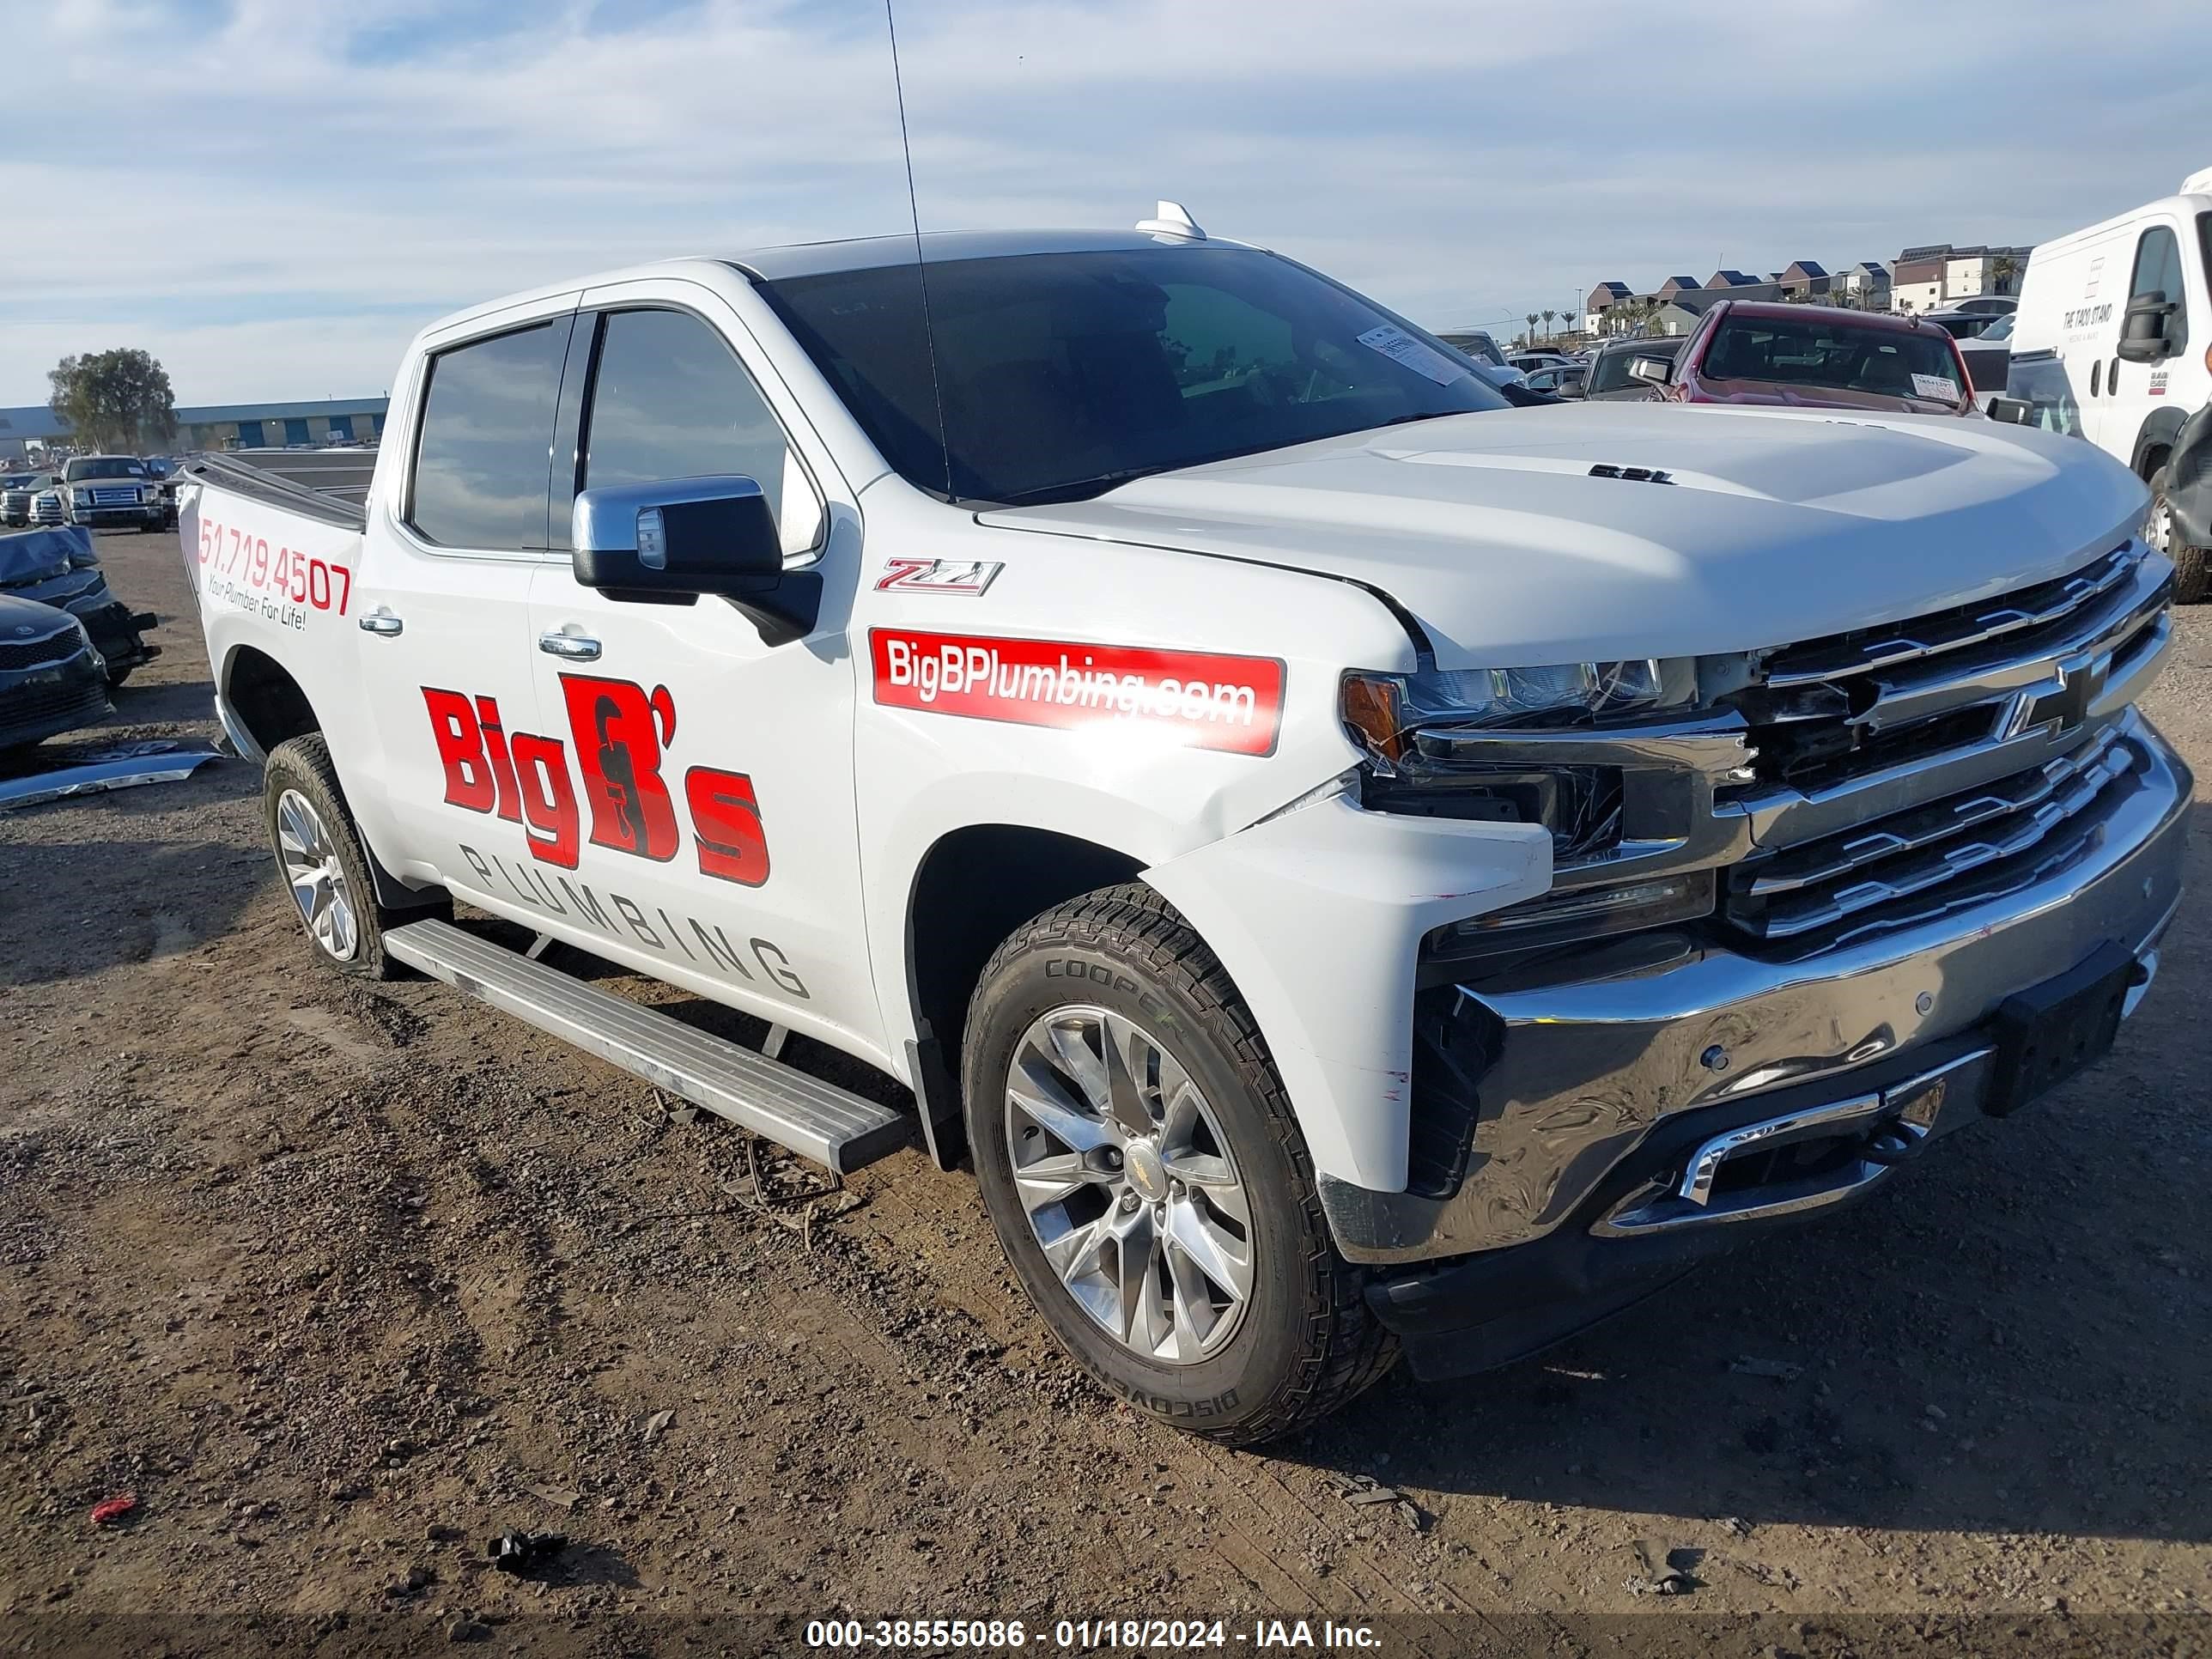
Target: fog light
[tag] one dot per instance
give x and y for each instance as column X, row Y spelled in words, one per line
column 1585, row 912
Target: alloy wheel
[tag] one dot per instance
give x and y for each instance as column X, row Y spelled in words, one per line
column 317, row 879
column 1129, row 1183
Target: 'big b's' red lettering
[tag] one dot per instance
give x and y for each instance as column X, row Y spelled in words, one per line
column 460, row 750
column 726, row 822
column 618, row 749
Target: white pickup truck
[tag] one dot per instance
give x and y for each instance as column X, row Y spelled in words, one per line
column 1354, row 865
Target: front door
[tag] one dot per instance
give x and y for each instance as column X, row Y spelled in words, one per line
column 714, row 840
column 447, row 654
column 2132, row 392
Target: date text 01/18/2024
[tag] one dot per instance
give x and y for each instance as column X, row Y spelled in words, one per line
column 1089, row 1635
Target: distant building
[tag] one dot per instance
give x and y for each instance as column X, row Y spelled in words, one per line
column 1805, row 279
column 1868, row 282
column 1928, row 279
column 220, row 426
column 1732, row 279
column 1675, row 285
column 1601, row 299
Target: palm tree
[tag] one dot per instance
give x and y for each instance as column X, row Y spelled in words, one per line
column 1547, row 323
column 2002, row 269
column 1531, row 338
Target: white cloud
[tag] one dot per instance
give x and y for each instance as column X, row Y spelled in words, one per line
column 278, row 199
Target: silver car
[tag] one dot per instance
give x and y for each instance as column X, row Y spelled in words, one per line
column 17, row 491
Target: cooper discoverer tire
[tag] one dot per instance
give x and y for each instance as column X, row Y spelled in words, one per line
column 1142, row 1165
column 320, row 859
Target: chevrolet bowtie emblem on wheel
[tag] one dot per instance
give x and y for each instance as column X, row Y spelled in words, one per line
column 2062, row 708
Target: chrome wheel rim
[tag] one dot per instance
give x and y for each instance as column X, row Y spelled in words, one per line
column 2158, row 529
column 316, row 877
column 1128, row 1184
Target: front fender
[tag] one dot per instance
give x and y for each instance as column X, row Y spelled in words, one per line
column 1318, row 916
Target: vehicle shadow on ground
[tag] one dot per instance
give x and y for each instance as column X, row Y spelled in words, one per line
column 100, row 907
column 138, row 703
column 2011, row 1339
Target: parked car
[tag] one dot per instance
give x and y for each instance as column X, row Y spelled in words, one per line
column 1963, row 324
column 51, row 679
column 1351, row 864
column 1996, row 304
column 59, row 567
column 110, row 489
column 1559, row 380
column 1988, row 357
column 18, row 491
column 46, row 506
column 2113, row 342
column 1477, row 343
column 1609, row 380
column 1529, row 361
column 1746, row 351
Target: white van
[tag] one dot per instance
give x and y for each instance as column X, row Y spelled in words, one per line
column 2114, row 340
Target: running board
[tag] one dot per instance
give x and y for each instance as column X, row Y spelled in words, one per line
column 816, row 1119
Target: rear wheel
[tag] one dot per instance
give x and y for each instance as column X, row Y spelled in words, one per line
column 2192, row 581
column 1144, row 1173
column 319, row 856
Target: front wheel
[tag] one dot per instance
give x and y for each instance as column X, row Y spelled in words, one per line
column 1144, row 1172
column 320, row 857
column 2192, row 581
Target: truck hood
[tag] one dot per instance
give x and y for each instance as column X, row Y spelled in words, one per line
column 1493, row 531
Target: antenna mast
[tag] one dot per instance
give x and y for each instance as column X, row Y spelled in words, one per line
column 920, row 266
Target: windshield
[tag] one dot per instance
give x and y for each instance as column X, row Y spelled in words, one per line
column 1062, row 374
column 1888, row 363
column 104, row 466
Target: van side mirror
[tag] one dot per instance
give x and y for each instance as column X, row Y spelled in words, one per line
column 2143, row 328
column 668, row 544
column 1652, row 370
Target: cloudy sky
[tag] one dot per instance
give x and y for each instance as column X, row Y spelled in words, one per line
column 273, row 195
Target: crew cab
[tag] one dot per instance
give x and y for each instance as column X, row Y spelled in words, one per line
column 99, row 490
column 1355, row 866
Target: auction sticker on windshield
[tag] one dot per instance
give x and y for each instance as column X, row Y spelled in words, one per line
column 1936, row 386
column 1201, row 699
column 1402, row 348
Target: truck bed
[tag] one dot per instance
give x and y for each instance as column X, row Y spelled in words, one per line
column 328, row 484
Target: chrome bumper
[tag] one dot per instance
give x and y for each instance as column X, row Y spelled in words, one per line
column 1585, row 1069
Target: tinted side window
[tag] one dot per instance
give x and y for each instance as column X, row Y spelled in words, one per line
column 480, row 463
column 2158, row 267
column 671, row 401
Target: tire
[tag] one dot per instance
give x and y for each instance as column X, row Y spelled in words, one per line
column 116, row 677
column 1302, row 1341
column 300, row 772
column 2192, row 581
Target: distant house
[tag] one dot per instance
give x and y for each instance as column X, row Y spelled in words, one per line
column 1675, row 285
column 1926, row 278
column 1868, row 280
column 1679, row 316
column 1729, row 279
column 1804, row 279
column 1601, row 299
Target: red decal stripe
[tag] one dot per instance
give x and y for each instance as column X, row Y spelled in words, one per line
column 1234, row 704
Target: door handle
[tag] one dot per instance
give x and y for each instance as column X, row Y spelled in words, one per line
column 576, row 647
column 382, row 623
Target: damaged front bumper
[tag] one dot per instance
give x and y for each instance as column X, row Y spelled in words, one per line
column 1663, row 1096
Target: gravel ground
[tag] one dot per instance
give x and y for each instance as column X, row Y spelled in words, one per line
column 342, row 1281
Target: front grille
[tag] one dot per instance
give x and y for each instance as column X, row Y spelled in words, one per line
column 115, row 497
column 1902, row 770
column 79, row 701
column 16, row 654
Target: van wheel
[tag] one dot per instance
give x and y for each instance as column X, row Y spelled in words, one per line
column 1146, row 1177
column 319, row 854
column 2192, row 581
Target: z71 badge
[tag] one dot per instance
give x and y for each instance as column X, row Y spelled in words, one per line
column 966, row 576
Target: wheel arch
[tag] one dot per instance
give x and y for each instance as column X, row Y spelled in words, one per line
column 973, row 886
column 2155, row 439
column 261, row 703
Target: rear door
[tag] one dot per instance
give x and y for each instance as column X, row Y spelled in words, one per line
column 443, row 603
column 2132, row 392
column 715, row 841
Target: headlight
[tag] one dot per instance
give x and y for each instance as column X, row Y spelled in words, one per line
column 1382, row 711
column 1487, row 744
column 82, row 498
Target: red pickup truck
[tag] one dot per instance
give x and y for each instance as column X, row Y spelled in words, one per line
column 1815, row 357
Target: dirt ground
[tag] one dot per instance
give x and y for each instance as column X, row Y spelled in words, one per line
column 343, row 1282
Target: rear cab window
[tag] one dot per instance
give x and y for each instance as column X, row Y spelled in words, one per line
column 481, row 450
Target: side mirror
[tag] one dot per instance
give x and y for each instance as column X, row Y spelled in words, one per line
column 668, row 544
column 2143, row 328
column 1652, row 370
column 2017, row 411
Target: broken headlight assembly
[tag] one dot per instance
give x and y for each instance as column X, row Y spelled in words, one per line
column 1579, row 748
